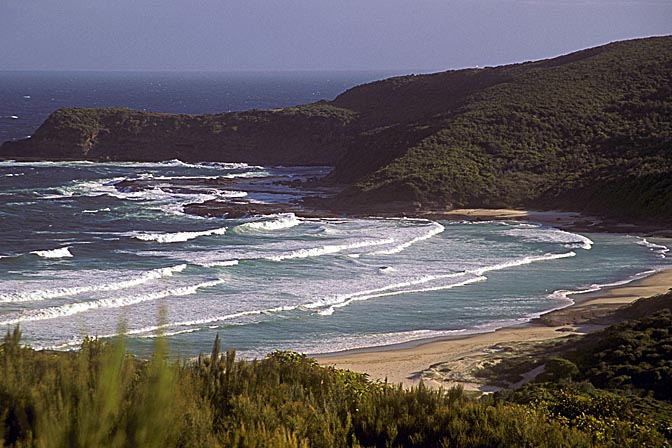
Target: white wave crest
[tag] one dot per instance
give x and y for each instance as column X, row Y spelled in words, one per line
column 276, row 222
column 46, row 294
column 80, row 307
column 521, row 261
column 434, row 229
column 659, row 249
column 177, row 237
column 551, row 235
column 225, row 263
column 477, row 275
column 106, row 209
column 328, row 249
column 61, row 252
column 358, row 298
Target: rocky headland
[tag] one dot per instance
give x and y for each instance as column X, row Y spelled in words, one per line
column 589, row 131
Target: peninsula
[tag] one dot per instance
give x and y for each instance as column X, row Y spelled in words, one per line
column 589, row 131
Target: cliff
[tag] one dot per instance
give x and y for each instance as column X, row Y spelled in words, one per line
column 588, row 131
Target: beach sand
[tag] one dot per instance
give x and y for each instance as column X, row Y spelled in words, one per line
column 448, row 362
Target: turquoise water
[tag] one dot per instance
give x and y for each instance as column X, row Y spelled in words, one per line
column 78, row 257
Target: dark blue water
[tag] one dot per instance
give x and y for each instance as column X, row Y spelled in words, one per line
column 32, row 96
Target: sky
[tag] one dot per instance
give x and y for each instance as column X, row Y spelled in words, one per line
column 226, row 35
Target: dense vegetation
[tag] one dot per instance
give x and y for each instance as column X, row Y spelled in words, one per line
column 587, row 131
column 606, row 382
column 313, row 134
column 102, row 396
column 590, row 130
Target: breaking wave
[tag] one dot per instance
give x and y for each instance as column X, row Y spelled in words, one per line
column 45, row 294
column 434, row 229
column 540, row 234
column 70, row 309
column 328, row 249
column 269, row 223
column 177, row 237
column 61, row 252
column 660, row 250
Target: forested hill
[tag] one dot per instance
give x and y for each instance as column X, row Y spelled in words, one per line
column 589, row 131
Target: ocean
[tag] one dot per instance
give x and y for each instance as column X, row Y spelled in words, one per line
column 80, row 255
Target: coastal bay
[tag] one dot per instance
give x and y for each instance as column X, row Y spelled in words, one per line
column 447, row 362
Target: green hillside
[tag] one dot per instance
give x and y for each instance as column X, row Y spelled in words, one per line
column 589, row 131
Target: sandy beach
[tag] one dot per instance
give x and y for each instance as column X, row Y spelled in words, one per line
column 447, row 362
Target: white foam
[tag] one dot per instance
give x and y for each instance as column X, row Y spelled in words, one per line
column 224, row 263
column 61, row 252
column 106, row 209
column 70, row 309
column 434, row 229
column 328, row 249
column 563, row 294
column 177, row 237
column 269, row 223
column 521, row 261
column 550, row 235
column 358, row 298
column 203, row 321
column 46, row 294
column 659, row 249
column 227, row 166
column 402, row 287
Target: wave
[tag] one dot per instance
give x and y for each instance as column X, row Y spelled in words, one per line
column 269, row 223
column 327, row 249
column 70, row 309
column 157, row 329
column 61, row 252
column 108, row 187
column 521, row 261
column 563, row 294
column 659, row 249
column 175, row 163
column 106, row 209
column 177, row 237
column 402, row 288
column 46, row 294
column 224, row 263
column 358, row 298
column 543, row 234
column 208, row 165
column 434, row 230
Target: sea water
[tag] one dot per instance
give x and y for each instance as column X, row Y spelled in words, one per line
column 79, row 256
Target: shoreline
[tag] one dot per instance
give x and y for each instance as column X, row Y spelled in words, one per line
column 448, row 361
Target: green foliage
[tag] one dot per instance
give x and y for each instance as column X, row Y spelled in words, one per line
column 611, row 420
column 100, row 396
column 588, row 131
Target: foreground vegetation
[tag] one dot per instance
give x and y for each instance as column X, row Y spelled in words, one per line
column 614, row 391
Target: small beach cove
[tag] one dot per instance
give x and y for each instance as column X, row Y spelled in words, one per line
column 453, row 361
